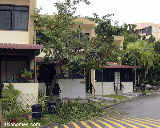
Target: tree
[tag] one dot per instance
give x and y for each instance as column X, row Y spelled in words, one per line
column 141, row 53
column 151, row 39
column 129, row 33
column 62, row 42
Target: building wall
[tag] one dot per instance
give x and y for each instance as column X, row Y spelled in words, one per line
column 107, row 88
column 128, row 87
column 155, row 31
column 72, row 88
column 86, row 26
column 28, row 92
column 119, row 41
column 31, row 31
column 19, row 37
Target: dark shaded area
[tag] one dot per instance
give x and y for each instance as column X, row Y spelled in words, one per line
column 1, row 88
column 126, row 75
column 47, row 73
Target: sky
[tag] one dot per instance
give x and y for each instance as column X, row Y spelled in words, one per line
column 125, row 11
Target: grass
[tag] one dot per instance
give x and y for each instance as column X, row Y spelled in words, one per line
column 117, row 97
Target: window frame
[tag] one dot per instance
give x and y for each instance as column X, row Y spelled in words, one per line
column 12, row 8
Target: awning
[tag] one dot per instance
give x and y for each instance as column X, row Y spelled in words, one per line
column 20, row 46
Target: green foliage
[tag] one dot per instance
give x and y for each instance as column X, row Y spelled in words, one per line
column 129, row 33
column 61, row 38
column 73, row 111
column 10, row 107
column 157, row 47
column 141, row 53
column 26, row 74
column 42, row 99
column 151, row 39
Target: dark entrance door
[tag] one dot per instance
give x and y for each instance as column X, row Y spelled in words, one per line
column 47, row 73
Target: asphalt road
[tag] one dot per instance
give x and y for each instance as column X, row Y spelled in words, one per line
column 142, row 107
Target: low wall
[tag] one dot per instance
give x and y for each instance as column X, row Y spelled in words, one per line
column 128, row 87
column 72, row 88
column 29, row 92
column 108, row 88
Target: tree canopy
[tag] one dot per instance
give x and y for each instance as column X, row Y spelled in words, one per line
column 64, row 43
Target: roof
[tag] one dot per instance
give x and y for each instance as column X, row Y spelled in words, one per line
column 143, row 25
column 20, row 46
column 120, row 66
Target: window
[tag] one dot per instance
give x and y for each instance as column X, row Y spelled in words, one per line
column 108, row 75
column 127, row 76
column 14, row 17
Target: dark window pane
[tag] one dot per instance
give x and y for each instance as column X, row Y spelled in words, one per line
column 6, row 7
column 98, row 76
column 126, row 76
column 20, row 20
column 5, row 20
column 21, row 8
column 108, row 75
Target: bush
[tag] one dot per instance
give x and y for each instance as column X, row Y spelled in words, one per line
column 10, row 107
column 42, row 99
column 72, row 111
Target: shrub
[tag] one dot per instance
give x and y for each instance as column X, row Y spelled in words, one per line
column 10, row 107
column 72, row 111
column 42, row 99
